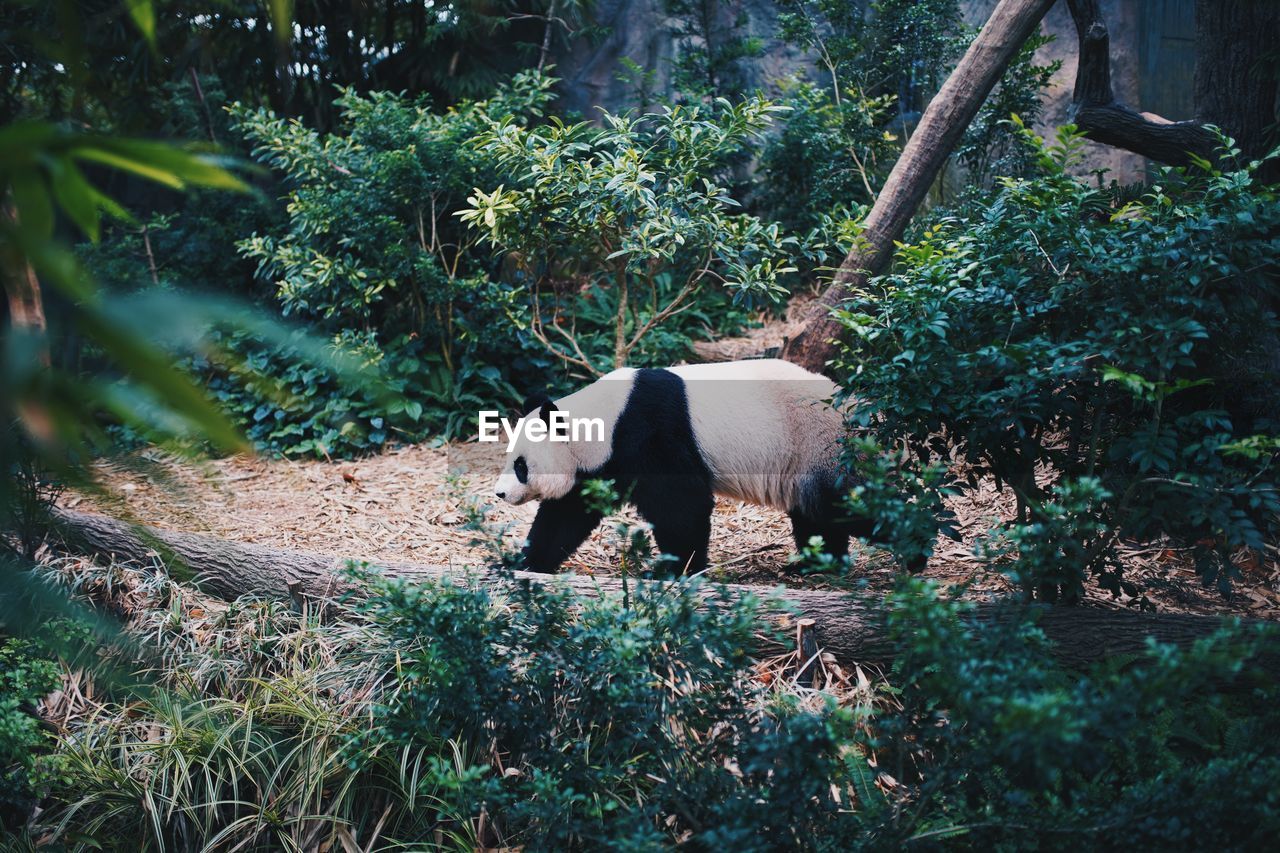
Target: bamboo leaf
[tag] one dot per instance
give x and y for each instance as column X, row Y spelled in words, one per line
column 76, row 196
column 35, row 209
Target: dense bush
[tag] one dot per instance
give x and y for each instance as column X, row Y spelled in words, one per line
column 29, row 671
column 614, row 232
column 618, row 228
column 373, row 256
column 1056, row 330
column 456, row 716
column 185, row 241
column 996, row 745
column 830, row 156
column 626, row 720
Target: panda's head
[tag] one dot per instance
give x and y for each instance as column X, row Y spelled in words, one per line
column 537, row 469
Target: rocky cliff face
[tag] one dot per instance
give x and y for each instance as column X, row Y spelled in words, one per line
column 1122, row 23
column 641, row 31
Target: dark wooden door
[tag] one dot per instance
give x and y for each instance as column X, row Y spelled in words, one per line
column 1167, row 58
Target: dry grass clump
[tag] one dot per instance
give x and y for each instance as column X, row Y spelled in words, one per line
column 246, row 732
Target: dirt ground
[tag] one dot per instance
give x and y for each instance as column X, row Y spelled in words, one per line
column 411, row 504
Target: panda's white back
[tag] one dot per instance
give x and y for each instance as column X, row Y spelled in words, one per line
column 762, row 426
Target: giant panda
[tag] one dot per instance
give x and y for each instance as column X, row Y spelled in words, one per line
column 761, row 431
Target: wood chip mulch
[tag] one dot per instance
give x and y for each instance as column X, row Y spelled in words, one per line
column 410, row 504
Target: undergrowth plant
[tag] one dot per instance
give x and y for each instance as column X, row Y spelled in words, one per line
column 373, row 255
column 1064, row 333
column 241, row 733
column 482, row 712
column 625, row 719
column 617, row 235
column 996, row 745
column 29, row 671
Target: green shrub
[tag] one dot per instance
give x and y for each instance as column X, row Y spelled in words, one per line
column 28, row 673
column 614, row 232
column 296, row 405
column 994, row 744
column 829, row 156
column 1056, row 327
column 453, row 715
column 628, row 720
column 373, row 256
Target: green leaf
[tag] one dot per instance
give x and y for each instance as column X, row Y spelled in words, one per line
column 282, row 19
column 199, row 169
column 77, row 198
column 144, row 18
column 127, row 164
column 35, row 210
column 152, row 368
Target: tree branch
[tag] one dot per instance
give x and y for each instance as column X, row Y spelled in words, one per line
column 1102, row 118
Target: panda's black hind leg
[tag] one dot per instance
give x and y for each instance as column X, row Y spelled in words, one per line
column 680, row 514
column 835, row 535
column 559, row 527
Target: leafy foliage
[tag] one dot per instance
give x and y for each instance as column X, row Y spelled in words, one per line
column 625, row 719
column 100, row 63
column 1056, row 325
column 29, row 671
column 244, row 735
column 619, row 227
column 454, row 715
column 373, row 255
column 829, row 157
column 997, row 745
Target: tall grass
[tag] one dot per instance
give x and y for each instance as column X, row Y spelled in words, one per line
column 247, row 737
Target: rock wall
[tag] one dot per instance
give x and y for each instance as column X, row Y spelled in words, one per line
column 1122, row 17
column 641, row 31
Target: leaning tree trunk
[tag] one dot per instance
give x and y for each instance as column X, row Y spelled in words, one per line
column 847, row 626
column 943, row 123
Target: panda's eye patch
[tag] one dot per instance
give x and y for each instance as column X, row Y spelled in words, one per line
column 522, row 470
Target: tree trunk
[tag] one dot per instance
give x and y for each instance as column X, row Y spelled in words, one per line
column 943, row 123
column 845, row 625
column 1235, row 85
column 1236, row 73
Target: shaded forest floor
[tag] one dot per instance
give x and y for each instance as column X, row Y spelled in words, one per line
column 411, row 504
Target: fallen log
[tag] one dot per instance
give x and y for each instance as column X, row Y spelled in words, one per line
column 844, row 624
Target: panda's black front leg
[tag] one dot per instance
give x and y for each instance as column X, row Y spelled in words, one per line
column 680, row 513
column 559, row 527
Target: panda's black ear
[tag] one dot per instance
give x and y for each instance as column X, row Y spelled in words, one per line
column 540, row 403
column 533, row 403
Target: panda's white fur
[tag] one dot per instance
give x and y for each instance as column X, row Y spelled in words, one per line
column 762, row 426
column 765, row 432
